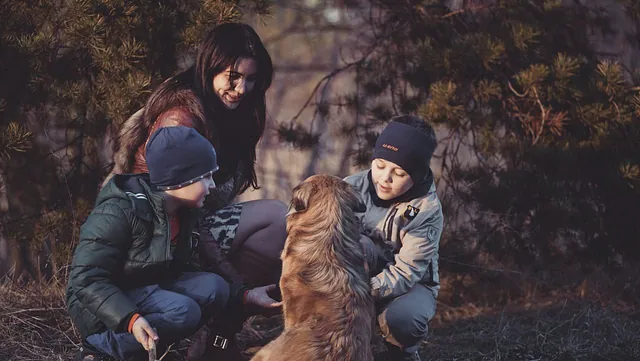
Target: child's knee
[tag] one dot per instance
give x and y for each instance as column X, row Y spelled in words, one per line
column 404, row 327
column 184, row 315
column 217, row 289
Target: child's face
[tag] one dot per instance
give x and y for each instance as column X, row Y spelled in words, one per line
column 389, row 179
column 193, row 195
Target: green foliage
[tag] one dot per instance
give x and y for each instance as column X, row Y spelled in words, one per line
column 14, row 138
column 540, row 139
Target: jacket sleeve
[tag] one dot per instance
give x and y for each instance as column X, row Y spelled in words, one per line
column 212, row 259
column 419, row 245
column 98, row 260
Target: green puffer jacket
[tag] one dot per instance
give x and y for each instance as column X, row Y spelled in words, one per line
column 124, row 243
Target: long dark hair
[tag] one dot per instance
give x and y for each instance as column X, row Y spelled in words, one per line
column 234, row 133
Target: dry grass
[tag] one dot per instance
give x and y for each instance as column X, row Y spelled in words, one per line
column 555, row 331
column 34, row 325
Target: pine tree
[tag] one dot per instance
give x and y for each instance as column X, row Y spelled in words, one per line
column 72, row 72
column 551, row 131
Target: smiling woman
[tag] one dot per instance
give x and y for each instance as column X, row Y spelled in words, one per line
column 222, row 96
column 234, row 82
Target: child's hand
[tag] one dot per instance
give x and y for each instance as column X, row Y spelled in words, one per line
column 375, row 235
column 144, row 333
column 258, row 296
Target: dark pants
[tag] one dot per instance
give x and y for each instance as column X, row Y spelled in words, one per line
column 175, row 310
column 403, row 320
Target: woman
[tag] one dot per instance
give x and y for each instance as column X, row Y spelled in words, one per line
column 222, row 96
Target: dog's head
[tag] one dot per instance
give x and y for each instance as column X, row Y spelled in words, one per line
column 320, row 191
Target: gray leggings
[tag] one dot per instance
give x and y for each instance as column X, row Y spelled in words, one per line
column 403, row 320
column 175, row 310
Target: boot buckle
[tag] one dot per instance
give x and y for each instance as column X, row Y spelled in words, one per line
column 220, row 342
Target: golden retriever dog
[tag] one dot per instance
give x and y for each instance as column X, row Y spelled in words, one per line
column 328, row 309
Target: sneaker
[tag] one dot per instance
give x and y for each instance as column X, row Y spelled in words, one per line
column 198, row 345
column 413, row 356
column 394, row 353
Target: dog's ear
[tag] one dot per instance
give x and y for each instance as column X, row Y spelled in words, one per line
column 300, row 200
column 296, row 205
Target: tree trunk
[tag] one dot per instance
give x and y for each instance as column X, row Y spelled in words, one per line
column 7, row 254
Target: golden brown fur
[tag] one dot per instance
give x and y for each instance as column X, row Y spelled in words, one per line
column 328, row 310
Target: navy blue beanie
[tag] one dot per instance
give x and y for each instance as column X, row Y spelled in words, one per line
column 179, row 156
column 407, row 147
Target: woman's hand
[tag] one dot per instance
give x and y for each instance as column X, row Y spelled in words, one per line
column 258, row 296
column 144, row 333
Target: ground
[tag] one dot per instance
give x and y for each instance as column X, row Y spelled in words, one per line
column 34, row 325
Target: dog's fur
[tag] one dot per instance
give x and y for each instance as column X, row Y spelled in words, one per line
column 328, row 309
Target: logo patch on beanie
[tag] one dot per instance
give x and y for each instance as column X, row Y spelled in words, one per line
column 389, row 146
column 411, row 212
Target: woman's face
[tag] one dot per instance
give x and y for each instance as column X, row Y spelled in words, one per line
column 235, row 82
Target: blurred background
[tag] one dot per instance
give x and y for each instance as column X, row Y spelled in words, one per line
column 536, row 105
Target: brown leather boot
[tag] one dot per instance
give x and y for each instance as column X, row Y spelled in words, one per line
column 394, row 353
column 198, row 346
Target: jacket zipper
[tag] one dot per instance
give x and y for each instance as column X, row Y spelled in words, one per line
column 168, row 245
column 389, row 223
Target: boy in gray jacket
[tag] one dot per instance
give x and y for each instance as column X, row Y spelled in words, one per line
column 401, row 233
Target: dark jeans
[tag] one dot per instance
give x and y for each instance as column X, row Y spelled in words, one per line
column 175, row 310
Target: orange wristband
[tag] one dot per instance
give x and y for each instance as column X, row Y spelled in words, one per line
column 244, row 297
column 132, row 321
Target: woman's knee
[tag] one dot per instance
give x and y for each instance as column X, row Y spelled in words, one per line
column 264, row 217
column 277, row 225
column 264, row 212
column 277, row 207
column 264, row 228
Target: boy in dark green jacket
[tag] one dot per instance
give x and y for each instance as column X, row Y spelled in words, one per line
column 130, row 280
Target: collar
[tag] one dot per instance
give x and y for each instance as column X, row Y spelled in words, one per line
column 418, row 190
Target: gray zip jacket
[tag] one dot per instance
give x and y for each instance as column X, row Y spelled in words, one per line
column 408, row 234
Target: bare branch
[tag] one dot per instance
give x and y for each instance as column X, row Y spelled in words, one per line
column 32, row 310
column 544, row 115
